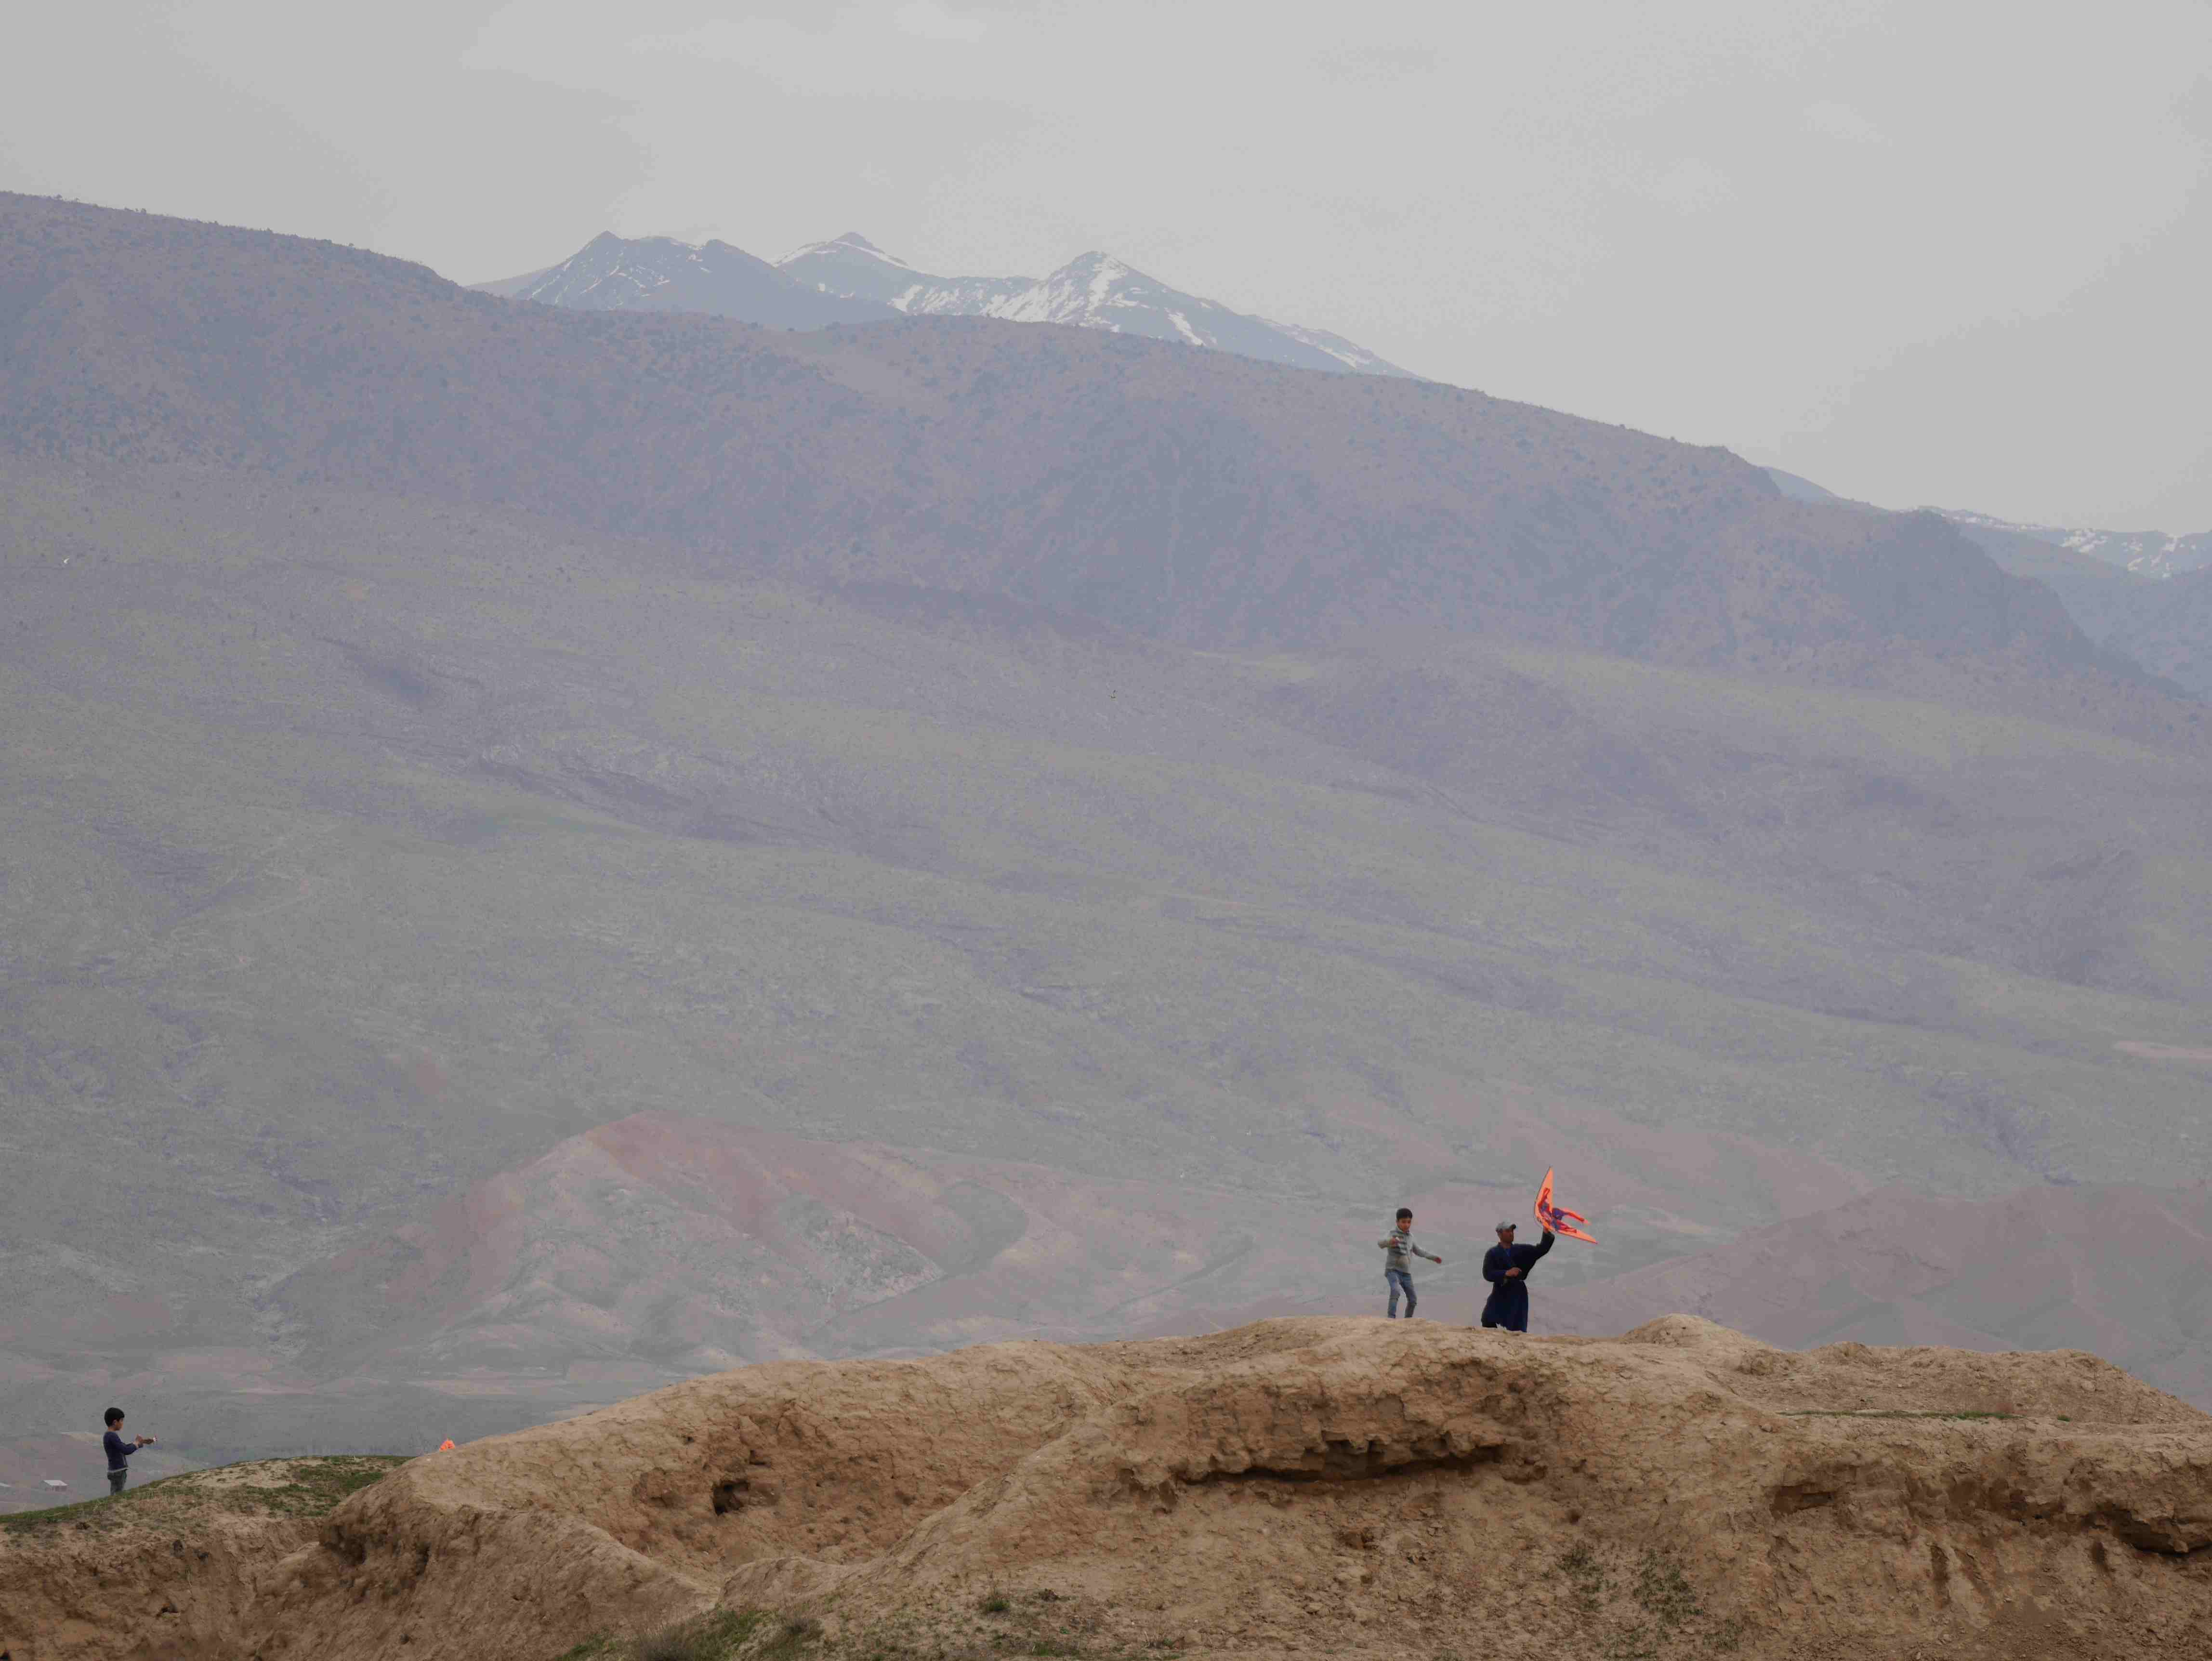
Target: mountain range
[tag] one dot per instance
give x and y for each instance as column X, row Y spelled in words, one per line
column 660, row 274
column 849, row 280
column 2145, row 553
column 518, row 820
column 2145, row 595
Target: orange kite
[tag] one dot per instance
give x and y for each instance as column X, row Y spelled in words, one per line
column 1560, row 1221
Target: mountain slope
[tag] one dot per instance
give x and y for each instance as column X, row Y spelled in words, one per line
column 2145, row 553
column 1348, row 353
column 2165, row 625
column 439, row 727
column 361, row 849
column 681, row 1245
column 1092, row 291
column 1193, row 496
column 2122, row 1270
column 2146, row 597
column 1800, row 489
column 674, row 1245
column 660, row 274
column 854, row 266
column 2111, row 585
column 2015, row 543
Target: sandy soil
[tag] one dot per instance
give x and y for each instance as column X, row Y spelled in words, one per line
column 1304, row 1486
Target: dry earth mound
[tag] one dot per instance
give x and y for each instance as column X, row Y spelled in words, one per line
column 172, row 1568
column 1318, row 1487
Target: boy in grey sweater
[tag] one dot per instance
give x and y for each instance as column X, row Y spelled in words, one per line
column 1398, row 1265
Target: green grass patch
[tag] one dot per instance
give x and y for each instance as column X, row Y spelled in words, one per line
column 1579, row 1564
column 722, row 1635
column 1664, row 1592
column 310, row 1487
column 1641, row 1608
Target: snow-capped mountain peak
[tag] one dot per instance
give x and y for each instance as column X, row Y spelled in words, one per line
column 852, row 246
column 851, row 266
column 848, row 279
column 610, row 273
column 1087, row 292
column 1094, row 290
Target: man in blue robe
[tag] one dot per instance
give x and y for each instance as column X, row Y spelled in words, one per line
column 1506, row 1266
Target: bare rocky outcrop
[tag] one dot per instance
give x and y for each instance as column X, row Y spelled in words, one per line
column 181, row 1568
column 141, row 1592
column 1311, row 1486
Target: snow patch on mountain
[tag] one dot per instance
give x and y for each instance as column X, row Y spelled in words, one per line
column 1354, row 357
column 2147, row 553
column 1095, row 291
column 612, row 274
column 848, row 279
column 853, row 267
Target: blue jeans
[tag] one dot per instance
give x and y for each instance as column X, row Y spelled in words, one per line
column 1400, row 1281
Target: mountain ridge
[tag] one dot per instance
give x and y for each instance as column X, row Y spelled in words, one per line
column 1093, row 290
column 662, row 274
column 2145, row 553
column 2146, row 596
column 1200, row 496
column 851, row 280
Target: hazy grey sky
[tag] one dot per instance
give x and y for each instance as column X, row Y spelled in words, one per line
column 1941, row 253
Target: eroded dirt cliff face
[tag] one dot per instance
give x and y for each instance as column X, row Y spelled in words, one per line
column 1318, row 1487
column 175, row 1569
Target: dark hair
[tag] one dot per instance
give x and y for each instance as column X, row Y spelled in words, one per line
column 1405, row 1211
column 113, row 1416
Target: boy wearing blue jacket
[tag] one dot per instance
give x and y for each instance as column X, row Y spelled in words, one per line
column 119, row 1451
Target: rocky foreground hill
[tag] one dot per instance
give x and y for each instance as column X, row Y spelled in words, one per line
column 1296, row 1487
